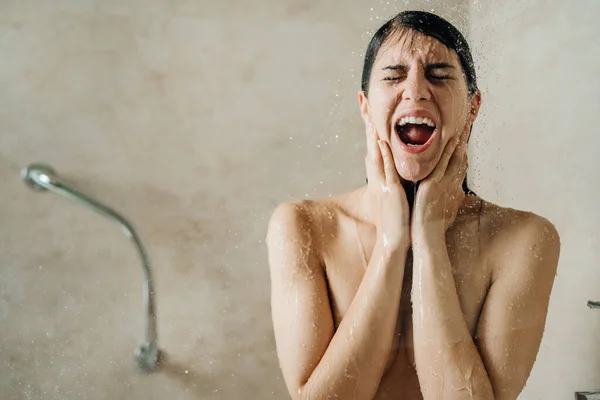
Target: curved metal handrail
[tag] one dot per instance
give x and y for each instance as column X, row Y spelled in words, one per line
column 41, row 177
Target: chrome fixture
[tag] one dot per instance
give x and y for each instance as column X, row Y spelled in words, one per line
column 41, row 177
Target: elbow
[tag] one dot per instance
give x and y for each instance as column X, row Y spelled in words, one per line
column 298, row 388
column 503, row 394
column 311, row 391
column 299, row 392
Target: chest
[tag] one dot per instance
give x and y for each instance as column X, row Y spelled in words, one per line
column 348, row 259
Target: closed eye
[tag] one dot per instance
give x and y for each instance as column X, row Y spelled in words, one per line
column 439, row 68
column 393, row 78
column 431, row 77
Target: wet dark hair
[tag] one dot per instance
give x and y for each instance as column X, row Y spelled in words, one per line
column 430, row 25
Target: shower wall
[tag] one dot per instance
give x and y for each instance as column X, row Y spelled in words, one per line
column 535, row 147
column 195, row 119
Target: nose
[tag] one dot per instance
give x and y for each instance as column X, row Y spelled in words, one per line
column 417, row 87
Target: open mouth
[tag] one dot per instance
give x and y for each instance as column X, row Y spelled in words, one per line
column 415, row 132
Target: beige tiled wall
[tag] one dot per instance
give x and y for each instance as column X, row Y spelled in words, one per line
column 536, row 147
column 195, row 119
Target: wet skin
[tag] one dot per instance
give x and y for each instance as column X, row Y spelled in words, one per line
column 449, row 299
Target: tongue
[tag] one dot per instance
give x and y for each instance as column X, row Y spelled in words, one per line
column 415, row 134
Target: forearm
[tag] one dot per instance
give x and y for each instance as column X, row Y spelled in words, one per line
column 448, row 362
column 354, row 361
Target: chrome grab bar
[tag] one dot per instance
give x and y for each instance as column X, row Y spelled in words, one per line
column 41, row 177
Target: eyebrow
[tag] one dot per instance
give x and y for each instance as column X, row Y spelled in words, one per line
column 441, row 65
column 429, row 67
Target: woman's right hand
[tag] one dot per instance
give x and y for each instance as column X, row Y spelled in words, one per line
column 388, row 198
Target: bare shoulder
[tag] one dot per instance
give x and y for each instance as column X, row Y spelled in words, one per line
column 302, row 217
column 309, row 224
column 296, row 216
column 518, row 239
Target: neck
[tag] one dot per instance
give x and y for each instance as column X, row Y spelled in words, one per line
column 410, row 188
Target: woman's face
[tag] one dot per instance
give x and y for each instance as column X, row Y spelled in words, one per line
column 416, row 77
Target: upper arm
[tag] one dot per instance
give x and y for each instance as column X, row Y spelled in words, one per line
column 514, row 314
column 300, row 308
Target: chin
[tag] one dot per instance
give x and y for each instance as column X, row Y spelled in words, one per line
column 413, row 173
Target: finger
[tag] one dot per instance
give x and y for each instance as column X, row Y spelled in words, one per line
column 458, row 162
column 389, row 167
column 370, row 140
column 458, row 166
column 440, row 170
column 373, row 161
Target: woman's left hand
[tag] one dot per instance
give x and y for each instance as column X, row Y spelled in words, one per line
column 440, row 195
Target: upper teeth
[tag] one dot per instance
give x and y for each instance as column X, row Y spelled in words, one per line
column 414, row 120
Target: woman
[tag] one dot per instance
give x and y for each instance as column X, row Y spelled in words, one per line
column 412, row 286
